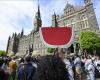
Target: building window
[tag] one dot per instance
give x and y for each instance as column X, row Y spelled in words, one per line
column 82, row 24
column 86, row 24
column 72, row 20
column 83, row 17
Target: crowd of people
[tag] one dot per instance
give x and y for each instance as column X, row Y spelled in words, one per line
column 50, row 67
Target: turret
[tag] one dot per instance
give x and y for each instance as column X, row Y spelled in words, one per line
column 15, row 43
column 87, row 2
column 8, row 44
column 54, row 20
column 37, row 21
column 22, row 33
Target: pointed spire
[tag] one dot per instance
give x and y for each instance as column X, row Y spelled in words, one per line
column 39, row 16
column 22, row 33
column 38, row 21
column 55, row 24
column 9, row 38
column 15, row 34
column 38, row 8
column 67, row 2
column 12, row 35
column 54, row 12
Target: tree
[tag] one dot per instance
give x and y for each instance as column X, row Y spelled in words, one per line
column 50, row 50
column 89, row 41
column 98, row 43
column 2, row 53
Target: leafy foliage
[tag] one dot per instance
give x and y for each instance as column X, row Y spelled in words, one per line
column 50, row 50
column 89, row 41
column 2, row 53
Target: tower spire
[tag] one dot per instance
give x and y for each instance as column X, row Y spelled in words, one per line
column 38, row 21
column 67, row 2
column 22, row 33
column 54, row 12
column 39, row 16
column 55, row 24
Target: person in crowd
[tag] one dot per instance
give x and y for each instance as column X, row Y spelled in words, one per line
column 21, row 60
column 34, row 62
column 77, row 64
column 2, row 73
column 97, row 63
column 69, row 68
column 51, row 68
column 90, row 69
column 26, row 71
column 12, row 69
column 5, row 65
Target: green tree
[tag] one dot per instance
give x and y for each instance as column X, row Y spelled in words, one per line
column 89, row 41
column 97, row 43
column 2, row 53
column 50, row 50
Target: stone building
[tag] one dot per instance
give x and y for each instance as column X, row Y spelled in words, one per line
column 78, row 17
column 22, row 44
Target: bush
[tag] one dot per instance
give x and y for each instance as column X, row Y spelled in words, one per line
column 50, row 50
column 2, row 53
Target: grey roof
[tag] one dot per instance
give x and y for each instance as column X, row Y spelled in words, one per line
column 78, row 7
column 70, row 6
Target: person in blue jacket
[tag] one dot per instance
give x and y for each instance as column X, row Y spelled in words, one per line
column 26, row 71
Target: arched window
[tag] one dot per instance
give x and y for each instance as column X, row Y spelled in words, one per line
column 72, row 20
column 86, row 23
column 83, row 17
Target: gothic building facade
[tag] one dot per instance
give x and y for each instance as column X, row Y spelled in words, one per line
column 22, row 44
column 78, row 17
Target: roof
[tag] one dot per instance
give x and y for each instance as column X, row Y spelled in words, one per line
column 70, row 6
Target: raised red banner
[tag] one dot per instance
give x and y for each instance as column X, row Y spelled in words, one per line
column 54, row 37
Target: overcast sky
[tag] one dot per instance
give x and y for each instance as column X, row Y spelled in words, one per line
column 18, row 14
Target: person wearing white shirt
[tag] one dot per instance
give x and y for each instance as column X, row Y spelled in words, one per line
column 77, row 63
column 91, row 69
column 69, row 68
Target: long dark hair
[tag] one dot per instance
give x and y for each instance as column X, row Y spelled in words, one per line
column 51, row 68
